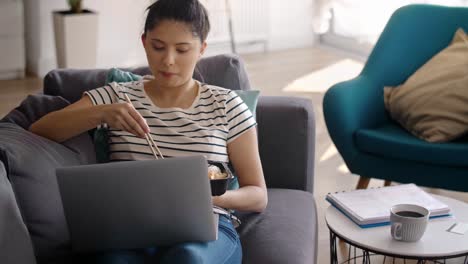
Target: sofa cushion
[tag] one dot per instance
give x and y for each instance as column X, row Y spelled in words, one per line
column 250, row 98
column 30, row 162
column 393, row 141
column 15, row 242
column 431, row 104
column 286, row 232
column 118, row 75
column 34, row 107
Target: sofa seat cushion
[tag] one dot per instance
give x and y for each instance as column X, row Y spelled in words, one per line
column 286, row 232
column 393, row 141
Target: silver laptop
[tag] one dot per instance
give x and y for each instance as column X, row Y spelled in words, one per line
column 137, row 204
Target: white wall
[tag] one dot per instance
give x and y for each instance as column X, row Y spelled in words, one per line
column 12, row 52
column 119, row 29
column 291, row 24
column 33, row 36
column 120, row 26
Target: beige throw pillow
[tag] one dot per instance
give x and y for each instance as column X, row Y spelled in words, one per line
column 433, row 103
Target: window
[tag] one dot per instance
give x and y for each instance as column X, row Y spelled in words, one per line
column 356, row 24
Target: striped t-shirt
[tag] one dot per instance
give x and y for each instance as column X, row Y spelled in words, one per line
column 216, row 117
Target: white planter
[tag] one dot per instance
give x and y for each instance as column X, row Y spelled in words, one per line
column 76, row 39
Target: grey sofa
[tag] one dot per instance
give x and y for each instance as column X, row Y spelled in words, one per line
column 32, row 226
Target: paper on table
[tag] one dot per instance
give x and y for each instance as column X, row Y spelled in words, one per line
column 458, row 228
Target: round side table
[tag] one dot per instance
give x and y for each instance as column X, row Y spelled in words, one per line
column 436, row 245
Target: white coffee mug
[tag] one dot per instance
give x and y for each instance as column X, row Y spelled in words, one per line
column 409, row 222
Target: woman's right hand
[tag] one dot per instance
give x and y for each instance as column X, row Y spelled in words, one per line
column 125, row 117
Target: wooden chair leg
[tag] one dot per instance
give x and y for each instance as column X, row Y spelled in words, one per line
column 363, row 183
column 387, row 183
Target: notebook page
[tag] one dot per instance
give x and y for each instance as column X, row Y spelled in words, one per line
column 376, row 203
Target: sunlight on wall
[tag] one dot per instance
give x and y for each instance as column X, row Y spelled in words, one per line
column 322, row 79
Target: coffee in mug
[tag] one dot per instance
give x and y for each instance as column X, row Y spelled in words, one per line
column 409, row 214
column 409, row 222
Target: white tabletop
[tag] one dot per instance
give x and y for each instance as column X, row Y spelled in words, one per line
column 436, row 242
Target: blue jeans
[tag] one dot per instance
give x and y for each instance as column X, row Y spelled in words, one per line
column 225, row 250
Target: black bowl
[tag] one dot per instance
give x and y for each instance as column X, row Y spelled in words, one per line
column 219, row 186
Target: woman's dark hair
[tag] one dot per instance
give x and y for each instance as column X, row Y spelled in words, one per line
column 191, row 12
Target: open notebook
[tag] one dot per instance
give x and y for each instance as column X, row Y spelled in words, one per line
column 371, row 207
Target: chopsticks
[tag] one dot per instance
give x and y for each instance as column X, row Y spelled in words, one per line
column 151, row 144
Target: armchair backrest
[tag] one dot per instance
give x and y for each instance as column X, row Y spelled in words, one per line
column 413, row 35
column 227, row 71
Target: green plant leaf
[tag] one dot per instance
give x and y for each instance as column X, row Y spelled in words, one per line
column 75, row 5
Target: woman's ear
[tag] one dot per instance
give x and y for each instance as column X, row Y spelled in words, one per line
column 203, row 48
column 143, row 39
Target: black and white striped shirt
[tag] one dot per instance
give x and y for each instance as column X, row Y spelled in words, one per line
column 216, row 117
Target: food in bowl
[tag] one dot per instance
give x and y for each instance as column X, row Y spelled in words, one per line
column 214, row 173
column 220, row 176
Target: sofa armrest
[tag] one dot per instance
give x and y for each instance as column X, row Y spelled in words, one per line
column 286, row 232
column 286, row 132
column 15, row 242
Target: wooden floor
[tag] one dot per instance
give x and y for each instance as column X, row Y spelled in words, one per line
column 309, row 72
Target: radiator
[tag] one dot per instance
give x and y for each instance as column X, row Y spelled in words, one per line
column 250, row 19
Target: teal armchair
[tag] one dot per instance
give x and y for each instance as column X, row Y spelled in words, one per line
column 373, row 145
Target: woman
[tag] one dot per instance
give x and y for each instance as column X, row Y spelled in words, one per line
column 183, row 116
